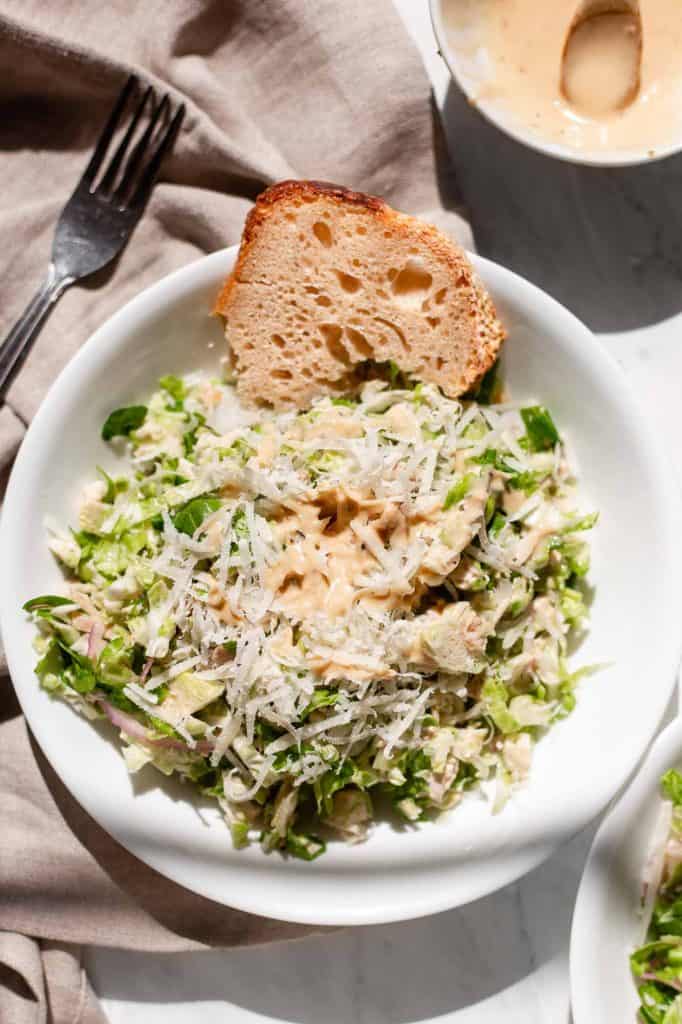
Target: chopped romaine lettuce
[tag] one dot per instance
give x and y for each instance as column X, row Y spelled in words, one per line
column 121, row 422
column 458, row 491
column 190, row 516
column 541, row 432
column 671, row 784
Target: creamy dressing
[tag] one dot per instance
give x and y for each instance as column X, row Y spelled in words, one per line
column 323, row 561
column 513, row 49
column 335, row 422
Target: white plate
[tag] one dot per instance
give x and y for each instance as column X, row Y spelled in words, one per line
column 395, row 875
column 607, row 925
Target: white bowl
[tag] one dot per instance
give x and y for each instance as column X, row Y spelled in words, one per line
column 469, row 67
column 395, row 875
column 607, row 925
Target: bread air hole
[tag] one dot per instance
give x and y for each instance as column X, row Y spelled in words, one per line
column 439, row 297
column 279, row 341
column 359, row 343
column 332, row 339
column 349, row 283
column 281, row 374
column 323, row 300
column 411, row 284
column 323, row 233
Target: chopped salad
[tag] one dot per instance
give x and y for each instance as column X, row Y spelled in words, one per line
column 657, row 965
column 315, row 615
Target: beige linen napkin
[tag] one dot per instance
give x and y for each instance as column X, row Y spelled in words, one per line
column 274, row 89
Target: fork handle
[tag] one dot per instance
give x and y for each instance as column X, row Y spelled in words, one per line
column 18, row 342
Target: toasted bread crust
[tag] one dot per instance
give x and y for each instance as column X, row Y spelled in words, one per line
column 486, row 332
column 297, row 191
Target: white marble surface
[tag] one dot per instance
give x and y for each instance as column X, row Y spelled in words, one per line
column 502, row 958
column 607, row 244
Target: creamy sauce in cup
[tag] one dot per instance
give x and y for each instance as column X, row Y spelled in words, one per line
column 511, row 53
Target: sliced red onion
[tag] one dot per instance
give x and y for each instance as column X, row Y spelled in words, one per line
column 123, row 721
column 651, row 976
column 146, row 669
column 136, row 730
column 655, row 863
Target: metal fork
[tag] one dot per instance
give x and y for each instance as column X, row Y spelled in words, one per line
column 101, row 215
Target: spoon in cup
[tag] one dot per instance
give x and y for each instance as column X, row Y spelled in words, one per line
column 602, row 56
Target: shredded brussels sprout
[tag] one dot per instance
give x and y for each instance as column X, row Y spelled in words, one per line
column 313, row 615
column 657, row 965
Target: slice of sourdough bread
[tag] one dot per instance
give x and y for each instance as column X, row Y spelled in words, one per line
column 328, row 279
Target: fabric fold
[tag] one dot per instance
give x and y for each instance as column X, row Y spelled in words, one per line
column 42, row 983
column 275, row 89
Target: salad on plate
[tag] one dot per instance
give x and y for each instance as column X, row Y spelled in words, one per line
column 318, row 617
column 657, row 964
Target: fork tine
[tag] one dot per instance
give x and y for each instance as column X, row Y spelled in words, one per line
column 112, row 170
column 105, row 138
column 135, row 159
column 144, row 186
